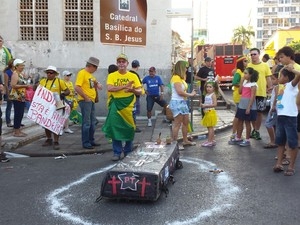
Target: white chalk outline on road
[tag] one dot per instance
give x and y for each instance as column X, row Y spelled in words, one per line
column 224, row 182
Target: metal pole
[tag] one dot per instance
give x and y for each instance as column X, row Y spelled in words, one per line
column 192, row 59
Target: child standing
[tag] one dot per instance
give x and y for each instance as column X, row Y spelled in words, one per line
column 210, row 115
column 286, row 130
column 247, row 110
column 271, row 119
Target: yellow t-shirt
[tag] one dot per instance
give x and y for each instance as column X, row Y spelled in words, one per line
column 236, row 95
column 70, row 85
column 116, row 79
column 263, row 72
column 86, row 81
column 56, row 85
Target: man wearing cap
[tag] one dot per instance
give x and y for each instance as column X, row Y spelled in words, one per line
column 155, row 92
column 205, row 72
column 69, row 98
column 86, row 87
column 123, row 86
column 135, row 64
column 55, row 85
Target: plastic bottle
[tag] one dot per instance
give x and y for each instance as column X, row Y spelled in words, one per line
column 201, row 137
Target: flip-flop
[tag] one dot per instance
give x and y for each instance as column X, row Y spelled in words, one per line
column 269, row 145
column 278, row 169
column 289, row 172
column 285, row 161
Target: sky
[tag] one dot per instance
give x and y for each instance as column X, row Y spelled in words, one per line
column 222, row 17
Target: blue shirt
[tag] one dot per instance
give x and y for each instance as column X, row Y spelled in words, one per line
column 153, row 84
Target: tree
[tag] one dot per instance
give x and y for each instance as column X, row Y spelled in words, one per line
column 242, row 35
column 295, row 45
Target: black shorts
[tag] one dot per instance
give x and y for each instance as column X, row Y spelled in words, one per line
column 261, row 103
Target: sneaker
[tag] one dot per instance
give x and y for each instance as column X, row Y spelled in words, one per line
column 4, row 159
column 115, row 158
column 69, row 131
column 235, row 141
column 149, row 123
column 138, row 130
column 233, row 136
column 257, row 135
column 56, row 146
column 252, row 134
column 244, row 143
column 48, row 142
column 207, row 144
column 214, row 142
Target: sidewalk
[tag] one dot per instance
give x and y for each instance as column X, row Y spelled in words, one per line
column 70, row 144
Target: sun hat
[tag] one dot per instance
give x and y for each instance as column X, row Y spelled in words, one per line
column 94, row 61
column 52, row 68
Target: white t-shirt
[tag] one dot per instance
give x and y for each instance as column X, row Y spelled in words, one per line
column 289, row 101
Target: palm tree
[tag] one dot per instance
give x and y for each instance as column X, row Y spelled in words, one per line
column 242, row 35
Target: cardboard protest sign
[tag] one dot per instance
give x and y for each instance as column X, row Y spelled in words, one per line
column 44, row 112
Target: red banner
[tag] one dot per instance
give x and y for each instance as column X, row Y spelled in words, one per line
column 123, row 22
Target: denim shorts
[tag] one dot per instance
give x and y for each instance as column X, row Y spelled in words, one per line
column 179, row 107
column 286, row 131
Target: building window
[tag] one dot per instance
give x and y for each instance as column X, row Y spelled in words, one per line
column 34, row 20
column 79, row 18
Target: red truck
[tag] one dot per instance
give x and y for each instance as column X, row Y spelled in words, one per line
column 225, row 61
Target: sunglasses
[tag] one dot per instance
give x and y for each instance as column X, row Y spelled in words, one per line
column 253, row 54
column 69, row 75
column 50, row 72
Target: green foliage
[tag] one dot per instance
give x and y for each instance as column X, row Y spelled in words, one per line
column 242, row 35
column 295, row 45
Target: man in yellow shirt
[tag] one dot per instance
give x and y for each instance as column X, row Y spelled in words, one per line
column 264, row 85
column 86, row 87
column 123, row 86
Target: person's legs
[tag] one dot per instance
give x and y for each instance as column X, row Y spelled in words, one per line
column 184, row 128
column 176, row 126
column 86, row 110
column 128, row 147
column 8, row 112
column 18, row 116
column 117, row 149
column 92, row 126
column 211, row 134
column 150, row 104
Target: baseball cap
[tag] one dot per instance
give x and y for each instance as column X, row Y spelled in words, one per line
column 122, row 56
column 152, row 68
column 66, row 73
column 135, row 63
column 207, row 59
column 18, row 62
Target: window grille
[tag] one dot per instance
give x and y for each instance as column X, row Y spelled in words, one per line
column 79, row 20
column 34, row 20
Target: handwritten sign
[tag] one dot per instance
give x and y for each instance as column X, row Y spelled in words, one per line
column 43, row 111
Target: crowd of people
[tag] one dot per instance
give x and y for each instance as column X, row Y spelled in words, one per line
column 254, row 79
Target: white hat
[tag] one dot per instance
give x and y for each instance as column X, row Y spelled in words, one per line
column 66, row 73
column 53, row 68
column 18, row 61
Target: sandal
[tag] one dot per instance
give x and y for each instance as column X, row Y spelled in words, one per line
column 289, row 172
column 285, row 161
column 189, row 143
column 278, row 168
column 270, row 145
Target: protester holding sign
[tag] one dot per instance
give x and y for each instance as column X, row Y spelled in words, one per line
column 58, row 87
column 86, row 87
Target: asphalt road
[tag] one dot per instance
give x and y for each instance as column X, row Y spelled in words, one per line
column 50, row 191
column 37, row 191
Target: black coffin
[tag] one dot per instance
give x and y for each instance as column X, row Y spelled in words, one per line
column 143, row 174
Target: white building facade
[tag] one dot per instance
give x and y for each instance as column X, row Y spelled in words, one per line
column 65, row 33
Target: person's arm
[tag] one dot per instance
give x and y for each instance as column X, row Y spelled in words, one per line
column 273, row 104
column 236, row 80
column 181, row 92
column 241, row 85
column 79, row 91
column 252, row 99
column 290, row 67
column 5, row 83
